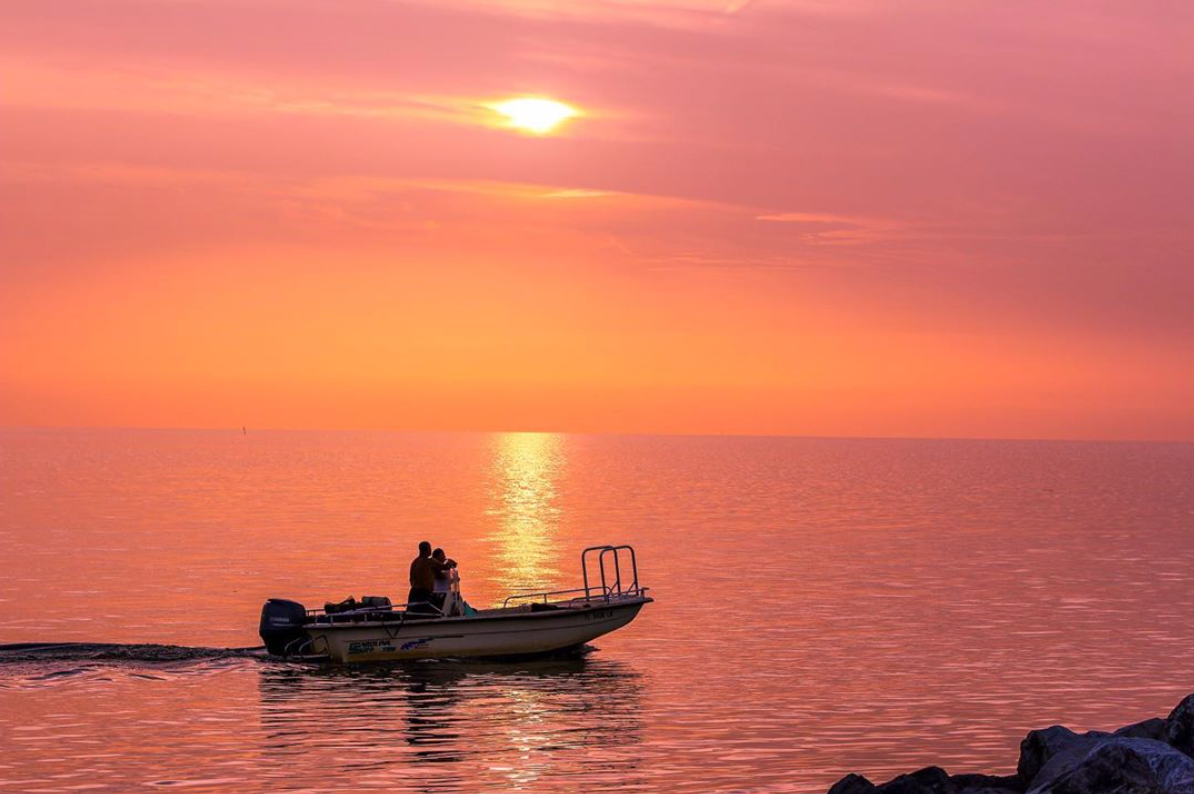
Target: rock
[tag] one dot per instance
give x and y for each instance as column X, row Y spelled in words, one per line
column 1154, row 756
column 1179, row 728
column 987, row 784
column 852, row 784
column 930, row 780
column 1126, row 766
column 1040, row 748
column 1068, row 757
column 1148, row 729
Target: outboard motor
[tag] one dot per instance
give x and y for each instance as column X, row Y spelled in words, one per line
column 281, row 625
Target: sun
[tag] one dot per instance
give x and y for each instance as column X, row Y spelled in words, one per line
column 535, row 114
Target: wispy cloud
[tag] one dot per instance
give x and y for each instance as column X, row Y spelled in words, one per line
column 820, row 228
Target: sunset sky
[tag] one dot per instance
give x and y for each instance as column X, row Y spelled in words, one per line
column 830, row 217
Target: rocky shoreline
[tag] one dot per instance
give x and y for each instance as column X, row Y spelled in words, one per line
column 1155, row 756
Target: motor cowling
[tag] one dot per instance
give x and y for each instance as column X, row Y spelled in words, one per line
column 281, row 625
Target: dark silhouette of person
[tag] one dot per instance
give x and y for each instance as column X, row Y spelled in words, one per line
column 443, row 581
column 423, row 570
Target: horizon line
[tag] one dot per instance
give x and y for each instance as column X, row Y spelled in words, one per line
column 631, row 434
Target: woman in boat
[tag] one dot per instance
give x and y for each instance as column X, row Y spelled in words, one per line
column 443, row 580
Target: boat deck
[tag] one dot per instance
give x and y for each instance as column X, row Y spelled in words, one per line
column 389, row 615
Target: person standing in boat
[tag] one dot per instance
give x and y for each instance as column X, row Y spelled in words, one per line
column 443, row 580
column 423, row 570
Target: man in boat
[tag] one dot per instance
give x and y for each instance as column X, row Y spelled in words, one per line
column 422, row 579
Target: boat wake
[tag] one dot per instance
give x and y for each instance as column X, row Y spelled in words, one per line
column 50, row 652
column 26, row 654
column 38, row 665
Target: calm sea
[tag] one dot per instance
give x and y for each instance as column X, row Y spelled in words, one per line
column 823, row 606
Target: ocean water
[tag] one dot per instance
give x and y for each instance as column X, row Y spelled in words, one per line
column 823, row 606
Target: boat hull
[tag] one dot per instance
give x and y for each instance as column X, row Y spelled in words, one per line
column 503, row 633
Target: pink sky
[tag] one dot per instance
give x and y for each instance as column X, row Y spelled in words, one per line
column 835, row 217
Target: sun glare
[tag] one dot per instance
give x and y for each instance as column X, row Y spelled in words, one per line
column 534, row 114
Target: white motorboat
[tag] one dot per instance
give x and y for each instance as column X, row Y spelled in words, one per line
column 527, row 624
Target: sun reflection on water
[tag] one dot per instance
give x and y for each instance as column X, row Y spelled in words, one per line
column 454, row 727
column 527, row 468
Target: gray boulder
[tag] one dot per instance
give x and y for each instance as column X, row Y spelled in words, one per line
column 987, row 784
column 935, row 780
column 1126, row 766
column 1155, row 756
column 1046, row 753
column 930, row 780
column 852, row 784
column 1147, row 729
column 1179, row 728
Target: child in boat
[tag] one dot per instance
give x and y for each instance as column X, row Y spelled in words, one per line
column 446, row 591
column 443, row 580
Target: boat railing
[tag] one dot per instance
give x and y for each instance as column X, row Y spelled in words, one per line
column 608, row 566
column 611, row 580
column 583, row 596
column 545, row 595
column 609, row 597
column 394, row 611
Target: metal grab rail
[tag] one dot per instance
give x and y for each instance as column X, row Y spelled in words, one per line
column 547, row 593
column 601, row 551
column 587, row 597
column 606, row 591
